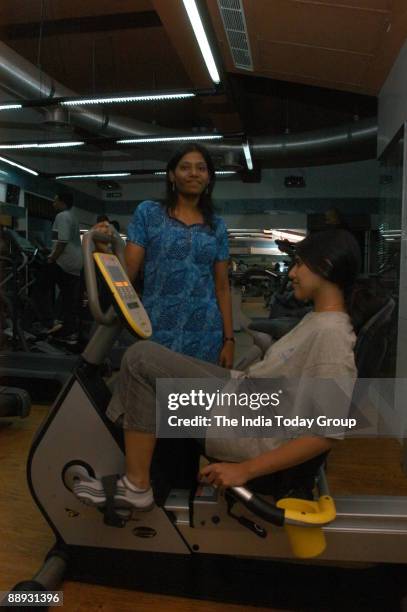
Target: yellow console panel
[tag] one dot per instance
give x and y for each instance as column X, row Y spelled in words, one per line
column 124, row 294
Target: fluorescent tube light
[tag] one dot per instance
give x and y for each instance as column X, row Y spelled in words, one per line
column 101, row 175
column 247, row 154
column 201, row 38
column 170, row 138
column 43, row 145
column 10, row 106
column 217, row 172
column 124, row 99
column 8, row 161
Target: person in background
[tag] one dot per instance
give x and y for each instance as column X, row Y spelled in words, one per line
column 105, row 219
column 183, row 247
column 65, row 265
column 102, row 219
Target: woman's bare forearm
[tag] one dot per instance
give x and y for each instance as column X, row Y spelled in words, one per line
column 286, row 456
column 134, row 258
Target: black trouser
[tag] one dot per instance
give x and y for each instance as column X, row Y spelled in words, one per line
column 69, row 287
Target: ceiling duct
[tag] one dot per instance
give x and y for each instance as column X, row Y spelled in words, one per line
column 23, row 80
column 234, row 22
column 56, row 118
column 231, row 162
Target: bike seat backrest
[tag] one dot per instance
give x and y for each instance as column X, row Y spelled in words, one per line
column 372, row 341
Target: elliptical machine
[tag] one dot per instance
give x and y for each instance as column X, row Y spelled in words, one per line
column 26, row 359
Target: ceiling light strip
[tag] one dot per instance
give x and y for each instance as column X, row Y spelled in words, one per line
column 170, row 138
column 44, row 145
column 247, row 154
column 126, row 99
column 202, row 39
column 83, row 176
column 8, row 161
column 10, row 106
column 118, row 174
column 217, row 172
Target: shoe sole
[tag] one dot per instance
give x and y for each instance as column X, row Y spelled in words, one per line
column 124, row 503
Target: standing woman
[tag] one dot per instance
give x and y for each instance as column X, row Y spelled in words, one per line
column 183, row 246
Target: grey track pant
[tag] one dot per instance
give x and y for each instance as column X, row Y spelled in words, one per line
column 144, row 362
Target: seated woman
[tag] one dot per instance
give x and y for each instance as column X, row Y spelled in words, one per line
column 321, row 345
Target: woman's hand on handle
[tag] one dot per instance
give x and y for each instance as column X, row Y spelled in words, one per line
column 225, row 474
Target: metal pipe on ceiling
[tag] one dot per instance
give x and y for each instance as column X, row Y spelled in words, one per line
column 22, row 79
column 308, row 144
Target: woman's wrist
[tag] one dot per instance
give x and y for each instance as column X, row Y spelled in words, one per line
column 249, row 469
column 253, row 470
column 228, row 339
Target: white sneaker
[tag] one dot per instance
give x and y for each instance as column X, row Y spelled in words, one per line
column 127, row 495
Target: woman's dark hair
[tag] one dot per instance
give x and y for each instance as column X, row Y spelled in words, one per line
column 101, row 218
column 205, row 203
column 335, row 255
column 66, row 197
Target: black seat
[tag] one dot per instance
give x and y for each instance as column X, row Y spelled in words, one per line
column 372, row 341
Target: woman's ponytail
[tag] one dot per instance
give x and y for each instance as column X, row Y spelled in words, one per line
column 335, row 255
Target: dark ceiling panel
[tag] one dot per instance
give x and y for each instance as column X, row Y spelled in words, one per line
column 142, row 59
column 273, row 107
column 81, row 25
column 22, row 11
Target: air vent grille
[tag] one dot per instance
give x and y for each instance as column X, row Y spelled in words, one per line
column 234, row 23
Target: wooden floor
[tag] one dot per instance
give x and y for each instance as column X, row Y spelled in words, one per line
column 366, row 467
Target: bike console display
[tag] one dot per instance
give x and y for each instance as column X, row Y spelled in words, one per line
column 124, row 294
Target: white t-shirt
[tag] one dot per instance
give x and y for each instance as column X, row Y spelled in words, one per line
column 320, row 346
column 66, row 230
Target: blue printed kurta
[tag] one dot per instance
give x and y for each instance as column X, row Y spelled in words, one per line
column 179, row 288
